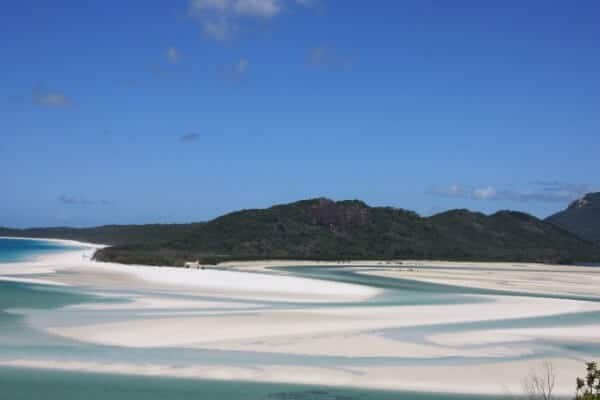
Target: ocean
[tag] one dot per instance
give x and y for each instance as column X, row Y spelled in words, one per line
column 14, row 250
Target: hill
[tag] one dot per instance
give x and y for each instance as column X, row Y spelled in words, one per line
column 582, row 217
column 324, row 229
column 109, row 234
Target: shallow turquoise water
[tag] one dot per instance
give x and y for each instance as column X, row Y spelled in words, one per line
column 23, row 384
column 14, row 250
column 410, row 292
column 26, row 308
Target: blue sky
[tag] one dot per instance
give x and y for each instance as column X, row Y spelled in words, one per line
column 156, row 111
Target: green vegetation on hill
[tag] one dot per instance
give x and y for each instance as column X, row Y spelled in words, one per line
column 324, row 229
column 109, row 234
column 582, row 217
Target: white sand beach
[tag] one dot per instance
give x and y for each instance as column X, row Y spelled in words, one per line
column 519, row 277
column 249, row 308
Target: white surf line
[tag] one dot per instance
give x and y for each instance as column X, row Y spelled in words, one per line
column 48, row 263
column 269, row 285
column 68, row 242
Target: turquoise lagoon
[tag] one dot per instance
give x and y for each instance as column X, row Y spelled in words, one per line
column 14, row 250
column 22, row 384
column 25, row 308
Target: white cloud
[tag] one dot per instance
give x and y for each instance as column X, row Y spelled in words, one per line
column 200, row 6
column 450, row 191
column 307, row 3
column 50, row 98
column 219, row 29
column 173, row 55
column 222, row 19
column 456, row 189
column 240, row 8
column 257, row 8
column 242, row 66
column 485, row 193
column 540, row 191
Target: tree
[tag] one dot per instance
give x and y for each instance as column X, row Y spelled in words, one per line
column 539, row 385
column 588, row 388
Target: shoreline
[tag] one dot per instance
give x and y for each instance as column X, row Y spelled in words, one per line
column 434, row 271
column 210, row 279
column 278, row 314
column 66, row 242
column 380, row 379
column 286, row 389
column 47, row 256
column 267, row 263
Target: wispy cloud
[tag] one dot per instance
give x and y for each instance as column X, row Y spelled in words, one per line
column 325, row 56
column 308, row 3
column 218, row 29
column 447, row 191
column 221, row 19
column 173, row 55
column 239, row 8
column 81, row 201
column 236, row 71
column 256, row 8
column 241, row 67
column 485, row 193
column 44, row 97
column 189, row 137
column 538, row 191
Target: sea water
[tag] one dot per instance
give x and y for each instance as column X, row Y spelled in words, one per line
column 15, row 250
column 23, row 384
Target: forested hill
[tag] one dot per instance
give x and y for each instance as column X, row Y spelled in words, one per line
column 324, row 229
column 110, row 234
column 582, row 217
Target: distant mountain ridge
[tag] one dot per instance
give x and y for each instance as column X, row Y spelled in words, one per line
column 582, row 217
column 325, row 229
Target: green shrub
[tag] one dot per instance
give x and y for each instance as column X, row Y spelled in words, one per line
column 588, row 388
